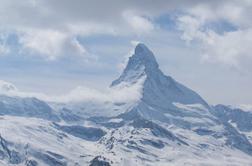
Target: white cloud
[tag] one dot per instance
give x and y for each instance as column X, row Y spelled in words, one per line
column 236, row 12
column 76, row 46
column 116, row 94
column 50, row 43
column 134, row 43
column 138, row 23
column 190, row 26
column 123, row 93
column 6, row 87
column 45, row 28
column 53, row 25
column 229, row 48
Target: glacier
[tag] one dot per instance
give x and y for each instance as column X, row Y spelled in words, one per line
column 165, row 123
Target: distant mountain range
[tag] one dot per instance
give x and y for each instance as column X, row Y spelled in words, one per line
column 169, row 124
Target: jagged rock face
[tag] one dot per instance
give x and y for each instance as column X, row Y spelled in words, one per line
column 99, row 161
column 87, row 133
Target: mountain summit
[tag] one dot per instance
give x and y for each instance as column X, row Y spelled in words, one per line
column 141, row 63
column 158, row 89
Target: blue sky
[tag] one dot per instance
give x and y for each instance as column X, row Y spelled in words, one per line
column 54, row 46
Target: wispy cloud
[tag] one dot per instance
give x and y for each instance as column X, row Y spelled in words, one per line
column 229, row 47
column 138, row 23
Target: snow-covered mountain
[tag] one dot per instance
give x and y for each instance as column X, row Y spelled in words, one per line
column 26, row 107
column 162, row 96
column 169, row 124
column 159, row 89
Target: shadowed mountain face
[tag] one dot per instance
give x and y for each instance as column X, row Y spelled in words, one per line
column 242, row 119
column 160, row 92
column 158, row 89
column 169, row 125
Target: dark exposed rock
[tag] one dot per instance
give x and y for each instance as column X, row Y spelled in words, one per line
column 156, row 130
column 87, row 133
column 31, row 163
column 99, row 161
column 155, row 143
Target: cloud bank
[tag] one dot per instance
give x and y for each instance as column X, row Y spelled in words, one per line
column 119, row 94
column 50, row 28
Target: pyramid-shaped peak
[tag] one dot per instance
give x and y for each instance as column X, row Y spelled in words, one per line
column 158, row 89
column 141, row 63
column 140, row 47
column 144, row 56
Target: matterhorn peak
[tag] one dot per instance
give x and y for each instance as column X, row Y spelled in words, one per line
column 144, row 56
column 143, row 68
column 140, row 64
